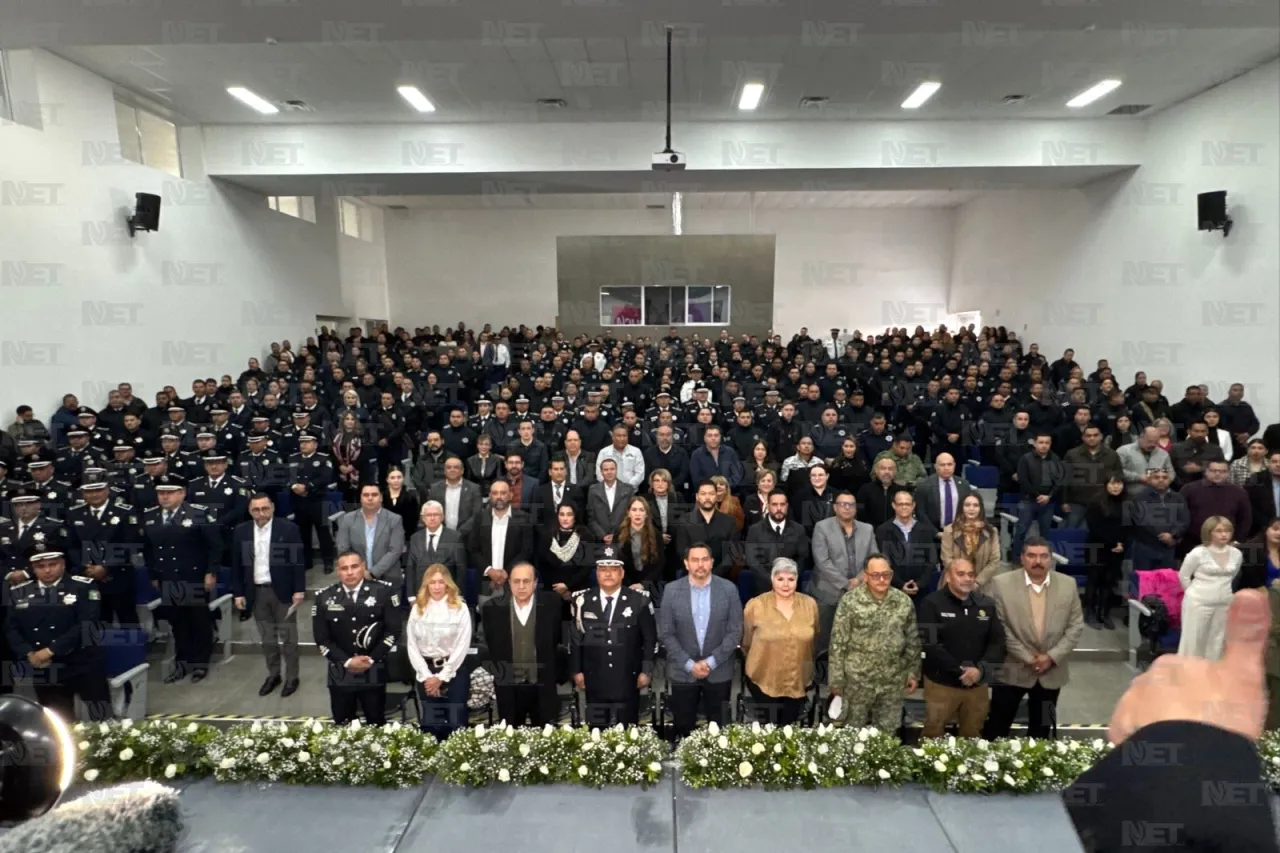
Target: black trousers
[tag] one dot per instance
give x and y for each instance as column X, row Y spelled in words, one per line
column 92, row 689
column 119, row 604
column 1042, row 710
column 1103, row 576
column 371, row 701
column 712, row 699
column 779, row 710
column 310, row 516
column 603, row 712
column 520, row 702
column 192, row 626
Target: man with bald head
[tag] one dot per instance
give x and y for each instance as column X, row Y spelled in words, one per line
column 939, row 496
column 523, row 630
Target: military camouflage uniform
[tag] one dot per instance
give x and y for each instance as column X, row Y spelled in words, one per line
column 874, row 648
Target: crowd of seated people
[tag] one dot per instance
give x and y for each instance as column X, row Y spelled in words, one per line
column 823, row 482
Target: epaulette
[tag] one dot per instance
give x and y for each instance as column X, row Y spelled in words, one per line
column 579, row 593
column 151, row 509
column 82, row 579
column 384, row 583
column 77, row 505
column 643, row 592
column 125, row 507
column 21, row 585
column 200, row 507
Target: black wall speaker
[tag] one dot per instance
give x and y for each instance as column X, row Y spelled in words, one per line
column 146, row 213
column 1211, row 212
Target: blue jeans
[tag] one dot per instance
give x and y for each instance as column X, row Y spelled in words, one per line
column 1029, row 511
column 443, row 715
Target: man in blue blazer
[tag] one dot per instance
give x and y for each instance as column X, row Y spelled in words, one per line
column 269, row 580
column 700, row 625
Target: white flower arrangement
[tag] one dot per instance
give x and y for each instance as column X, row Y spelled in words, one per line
column 822, row 757
column 1269, row 753
column 527, row 756
column 1017, row 765
column 154, row 749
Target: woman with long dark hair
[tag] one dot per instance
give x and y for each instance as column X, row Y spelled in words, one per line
column 565, row 559
column 971, row 536
column 1106, row 523
column 352, row 464
column 640, row 547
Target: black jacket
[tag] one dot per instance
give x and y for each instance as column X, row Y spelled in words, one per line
column 913, row 558
column 955, row 634
column 763, row 546
column 875, row 502
column 1041, row 476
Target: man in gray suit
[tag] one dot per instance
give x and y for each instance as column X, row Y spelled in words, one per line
column 938, row 496
column 433, row 543
column 841, row 545
column 700, row 626
column 460, row 498
column 376, row 533
column 607, row 502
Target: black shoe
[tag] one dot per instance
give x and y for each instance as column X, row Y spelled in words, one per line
column 174, row 677
column 290, row 687
column 199, row 676
column 1107, row 622
column 272, row 682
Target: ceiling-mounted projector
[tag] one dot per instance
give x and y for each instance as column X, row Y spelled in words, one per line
column 668, row 161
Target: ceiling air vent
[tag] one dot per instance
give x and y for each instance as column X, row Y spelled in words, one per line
column 655, row 207
column 296, row 106
column 397, row 207
column 553, row 103
column 814, row 102
column 1013, row 99
column 1129, row 109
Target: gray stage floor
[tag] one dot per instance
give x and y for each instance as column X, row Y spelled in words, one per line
column 668, row 817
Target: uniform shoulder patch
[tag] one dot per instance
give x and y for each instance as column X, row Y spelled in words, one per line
column 78, row 504
column 82, row 579
column 579, row 593
column 643, row 592
column 125, row 507
column 150, row 509
column 200, row 507
column 21, row 585
column 384, row 583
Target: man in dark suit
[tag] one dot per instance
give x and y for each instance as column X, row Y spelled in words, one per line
column 709, row 526
column 269, row 580
column 468, row 504
column 433, row 543
column 29, row 529
column 581, row 463
column 1264, row 492
column 911, row 544
column 772, row 537
column 501, row 538
column 355, row 622
column 607, row 502
column 700, row 626
column 613, row 640
column 523, row 632
column 551, row 494
column 942, row 492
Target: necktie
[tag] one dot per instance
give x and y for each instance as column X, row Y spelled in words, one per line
column 168, row 516
column 608, row 609
column 559, row 494
column 948, row 508
column 97, row 513
column 22, row 530
column 431, row 544
column 351, row 595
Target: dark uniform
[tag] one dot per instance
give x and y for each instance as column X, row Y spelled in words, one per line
column 349, row 625
column 61, row 618
column 180, row 552
column 611, row 644
column 263, row 472
column 227, row 501
column 42, row 532
column 71, row 462
column 111, row 538
column 311, row 508
column 230, row 437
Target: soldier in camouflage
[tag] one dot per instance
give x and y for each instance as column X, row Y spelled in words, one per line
column 875, row 649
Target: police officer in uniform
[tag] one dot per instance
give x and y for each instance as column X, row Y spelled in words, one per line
column 144, row 487
column 56, row 496
column 311, row 477
column 182, row 547
column 51, row 625
column 613, row 641
column 99, row 435
column 28, row 529
column 224, row 495
column 180, row 461
column 123, row 469
column 7, row 486
column 355, row 623
column 76, row 456
column 262, row 469
column 230, row 437
column 104, row 541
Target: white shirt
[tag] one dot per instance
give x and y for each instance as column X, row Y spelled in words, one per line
column 630, row 462
column 609, row 493
column 778, row 526
column 498, row 540
column 440, row 631
column 523, row 613
column 1038, row 587
column 262, row 553
column 573, row 468
column 452, row 499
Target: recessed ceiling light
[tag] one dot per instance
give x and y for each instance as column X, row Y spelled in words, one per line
column 416, row 99
column 923, row 92
column 751, row 95
column 1093, row 93
column 252, row 100
column 553, row 103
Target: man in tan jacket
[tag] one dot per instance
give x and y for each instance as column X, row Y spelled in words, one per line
column 1041, row 613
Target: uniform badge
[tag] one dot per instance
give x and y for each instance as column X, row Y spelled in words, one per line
column 4, row 540
column 465, row 440
column 587, row 614
column 316, row 463
column 115, row 519
column 93, row 595
column 626, row 613
column 186, row 522
column 370, row 601
column 395, row 600
column 227, row 491
column 69, row 598
column 22, row 605
column 53, row 496
column 78, row 523
column 133, row 519
column 37, row 536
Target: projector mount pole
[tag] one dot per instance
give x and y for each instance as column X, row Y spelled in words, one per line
column 668, row 150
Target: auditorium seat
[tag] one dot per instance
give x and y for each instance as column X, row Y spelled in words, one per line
column 1071, row 548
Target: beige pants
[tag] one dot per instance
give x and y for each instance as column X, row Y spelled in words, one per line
column 942, row 703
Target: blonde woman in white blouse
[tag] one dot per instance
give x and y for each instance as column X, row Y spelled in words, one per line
column 1206, row 575
column 438, row 638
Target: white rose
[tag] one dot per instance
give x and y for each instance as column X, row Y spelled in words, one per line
column 755, row 727
column 464, row 767
column 865, row 734
column 1097, row 743
column 78, row 728
column 1048, row 771
column 304, row 757
column 702, row 762
column 823, row 749
column 839, row 772
column 919, row 753
column 777, row 768
column 940, row 767
column 757, row 748
column 722, row 742
column 480, row 730
column 634, row 734
column 620, row 748
column 978, row 777
column 1062, row 748
column 583, row 771
column 337, row 762
column 777, row 749
column 548, row 730
column 126, row 723
column 882, row 773
column 393, row 727
column 524, row 750
column 595, row 735
column 859, row 748
column 812, row 768
column 227, row 763
column 1017, row 764
column 983, row 744
column 713, row 728
column 85, row 745
column 787, row 732
column 90, row 775
column 171, row 771
column 510, row 730
column 655, row 767
column 103, row 728
column 943, row 758
column 503, row 775
column 1008, row 780
column 288, row 743
column 263, row 758
column 744, row 769
column 484, row 747
column 951, row 742
column 544, row 770
column 126, row 754
column 255, row 728
column 990, row 766
column 1015, row 746
column 355, row 725
column 386, row 765
column 621, row 765
column 962, row 769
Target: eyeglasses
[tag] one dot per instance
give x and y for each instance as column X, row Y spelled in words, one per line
column 844, row 504
column 879, row 576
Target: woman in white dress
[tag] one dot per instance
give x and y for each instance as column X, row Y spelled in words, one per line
column 438, row 640
column 1206, row 575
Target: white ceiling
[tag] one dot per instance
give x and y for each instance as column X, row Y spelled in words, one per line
column 490, row 62
column 690, row 201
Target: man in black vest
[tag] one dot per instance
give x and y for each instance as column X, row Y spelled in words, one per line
column 523, row 630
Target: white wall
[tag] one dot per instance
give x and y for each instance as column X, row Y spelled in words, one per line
column 847, row 267
column 1118, row 270
column 362, row 267
column 83, row 307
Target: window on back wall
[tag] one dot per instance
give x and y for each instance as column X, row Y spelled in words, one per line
column 301, row 206
column 353, row 221
column 148, row 139
column 694, row 305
